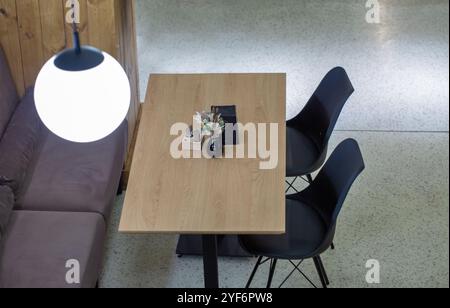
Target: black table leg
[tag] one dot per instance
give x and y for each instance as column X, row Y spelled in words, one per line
column 210, row 262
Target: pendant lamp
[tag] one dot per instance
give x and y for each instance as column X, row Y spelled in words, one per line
column 82, row 94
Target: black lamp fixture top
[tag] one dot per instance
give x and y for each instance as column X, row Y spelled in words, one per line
column 79, row 58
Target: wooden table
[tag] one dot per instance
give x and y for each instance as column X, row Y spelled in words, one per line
column 201, row 196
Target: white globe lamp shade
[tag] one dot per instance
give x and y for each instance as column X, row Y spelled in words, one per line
column 82, row 97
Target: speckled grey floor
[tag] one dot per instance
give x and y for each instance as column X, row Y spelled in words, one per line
column 400, row 67
column 398, row 212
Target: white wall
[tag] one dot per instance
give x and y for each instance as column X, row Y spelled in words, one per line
column 400, row 68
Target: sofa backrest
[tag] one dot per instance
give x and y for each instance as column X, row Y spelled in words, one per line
column 19, row 142
column 8, row 93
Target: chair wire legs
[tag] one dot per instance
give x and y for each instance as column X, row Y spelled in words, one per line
column 308, row 180
column 297, row 268
column 321, row 271
column 273, row 263
column 258, row 263
column 325, row 276
column 291, row 185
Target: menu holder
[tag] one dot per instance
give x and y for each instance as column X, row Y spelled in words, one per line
column 229, row 115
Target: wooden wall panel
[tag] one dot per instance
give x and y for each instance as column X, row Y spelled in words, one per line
column 128, row 52
column 52, row 25
column 30, row 33
column 9, row 39
column 102, row 26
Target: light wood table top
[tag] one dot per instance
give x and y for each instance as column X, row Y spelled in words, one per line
column 202, row 196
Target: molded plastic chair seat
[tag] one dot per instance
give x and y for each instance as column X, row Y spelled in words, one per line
column 303, row 156
column 305, row 232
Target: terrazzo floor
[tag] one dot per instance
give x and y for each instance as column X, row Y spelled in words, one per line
column 398, row 211
column 400, row 67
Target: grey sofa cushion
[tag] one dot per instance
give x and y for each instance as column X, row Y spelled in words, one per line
column 19, row 142
column 38, row 245
column 6, row 206
column 75, row 177
column 8, row 94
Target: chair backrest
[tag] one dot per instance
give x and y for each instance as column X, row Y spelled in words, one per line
column 330, row 188
column 319, row 117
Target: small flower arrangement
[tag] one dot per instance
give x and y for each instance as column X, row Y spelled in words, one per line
column 212, row 123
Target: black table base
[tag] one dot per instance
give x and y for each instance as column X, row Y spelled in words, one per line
column 227, row 246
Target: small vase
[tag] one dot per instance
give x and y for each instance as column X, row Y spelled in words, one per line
column 214, row 146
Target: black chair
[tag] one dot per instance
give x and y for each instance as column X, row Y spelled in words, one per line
column 311, row 217
column 309, row 132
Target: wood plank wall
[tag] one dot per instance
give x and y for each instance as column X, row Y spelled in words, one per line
column 32, row 31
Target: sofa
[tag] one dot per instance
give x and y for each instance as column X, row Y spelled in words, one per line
column 55, row 197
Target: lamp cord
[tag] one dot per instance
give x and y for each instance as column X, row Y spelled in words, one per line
column 76, row 33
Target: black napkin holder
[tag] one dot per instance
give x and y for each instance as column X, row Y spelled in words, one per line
column 229, row 115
